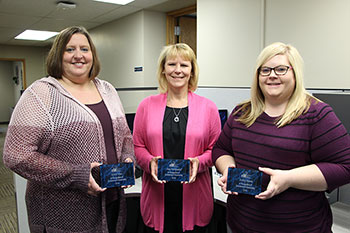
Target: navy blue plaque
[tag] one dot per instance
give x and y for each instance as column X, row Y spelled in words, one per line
column 116, row 175
column 244, row 181
column 174, row 169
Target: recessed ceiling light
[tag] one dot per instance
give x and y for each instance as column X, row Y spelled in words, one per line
column 64, row 5
column 35, row 35
column 119, row 2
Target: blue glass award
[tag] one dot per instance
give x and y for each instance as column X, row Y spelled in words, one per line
column 174, row 169
column 244, row 181
column 116, row 175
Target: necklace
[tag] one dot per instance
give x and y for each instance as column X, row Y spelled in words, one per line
column 176, row 118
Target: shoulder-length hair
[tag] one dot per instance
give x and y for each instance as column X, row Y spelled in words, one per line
column 172, row 51
column 54, row 59
column 300, row 99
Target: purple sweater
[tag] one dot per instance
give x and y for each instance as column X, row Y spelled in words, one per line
column 317, row 137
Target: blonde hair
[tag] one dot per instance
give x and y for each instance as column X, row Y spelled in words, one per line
column 299, row 101
column 172, row 51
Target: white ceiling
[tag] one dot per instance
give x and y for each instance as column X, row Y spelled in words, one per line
column 19, row 15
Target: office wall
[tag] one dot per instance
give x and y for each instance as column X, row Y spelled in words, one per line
column 133, row 41
column 120, row 48
column 320, row 30
column 228, row 41
column 232, row 33
column 34, row 59
column 154, row 40
column 6, row 90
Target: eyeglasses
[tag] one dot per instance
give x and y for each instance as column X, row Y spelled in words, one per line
column 279, row 70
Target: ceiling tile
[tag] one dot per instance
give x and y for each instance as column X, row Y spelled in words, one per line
column 52, row 24
column 148, row 3
column 17, row 21
column 118, row 13
column 27, row 7
column 85, row 10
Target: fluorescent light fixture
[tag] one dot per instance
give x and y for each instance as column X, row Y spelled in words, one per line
column 119, row 2
column 35, row 35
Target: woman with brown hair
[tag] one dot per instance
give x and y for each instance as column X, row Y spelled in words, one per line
column 63, row 126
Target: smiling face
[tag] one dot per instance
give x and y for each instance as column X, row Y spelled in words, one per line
column 277, row 88
column 177, row 72
column 77, row 58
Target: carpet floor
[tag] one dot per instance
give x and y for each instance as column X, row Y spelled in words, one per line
column 8, row 213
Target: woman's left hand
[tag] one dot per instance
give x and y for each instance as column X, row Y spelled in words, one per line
column 194, row 164
column 128, row 160
column 279, row 182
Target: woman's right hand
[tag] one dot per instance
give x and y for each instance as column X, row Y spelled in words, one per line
column 222, row 181
column 153, row 164
column 93, row 188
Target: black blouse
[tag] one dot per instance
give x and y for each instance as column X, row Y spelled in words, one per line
column 174, row 136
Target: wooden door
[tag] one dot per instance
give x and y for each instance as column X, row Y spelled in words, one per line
column 182, row 27
column 188, row 31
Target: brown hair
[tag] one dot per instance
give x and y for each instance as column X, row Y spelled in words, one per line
column 54, row 59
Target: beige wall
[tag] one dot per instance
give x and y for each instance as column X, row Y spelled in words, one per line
column 228, row 41
column 6, row 90
column 132, row 41
column 34, row 59
column 320, row 30
column 231, row 35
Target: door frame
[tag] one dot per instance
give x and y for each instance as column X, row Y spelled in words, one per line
column 171, row 21
column 24, row 81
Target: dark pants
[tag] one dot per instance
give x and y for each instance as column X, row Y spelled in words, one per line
column 112, row 211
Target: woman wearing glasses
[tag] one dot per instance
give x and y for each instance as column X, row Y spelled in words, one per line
column 295, row 140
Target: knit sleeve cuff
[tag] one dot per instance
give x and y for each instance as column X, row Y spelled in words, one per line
column 81, row 177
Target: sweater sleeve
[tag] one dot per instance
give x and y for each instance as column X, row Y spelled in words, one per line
column 28, row 138
column 127, row 144
column 330, row 148
column 143, row 156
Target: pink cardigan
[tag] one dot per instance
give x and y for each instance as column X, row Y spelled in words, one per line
column 203, row 129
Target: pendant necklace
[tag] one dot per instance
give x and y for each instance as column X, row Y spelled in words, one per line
column 176, row 118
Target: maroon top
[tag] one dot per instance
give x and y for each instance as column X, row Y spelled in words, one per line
column 102, row 114
column 317, row 137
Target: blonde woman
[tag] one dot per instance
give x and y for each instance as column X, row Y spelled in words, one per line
column 176, row 124
column 297, row 142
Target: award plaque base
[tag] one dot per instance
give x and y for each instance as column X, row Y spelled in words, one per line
column 174, row 169
column 116, row 175
column 244, row 181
